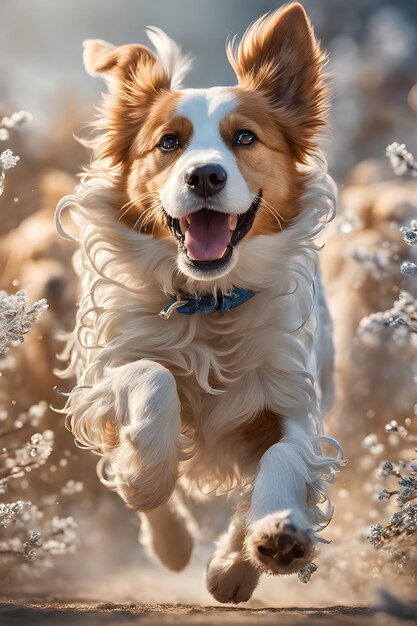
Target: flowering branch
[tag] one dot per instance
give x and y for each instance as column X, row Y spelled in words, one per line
column 17, row 318
column 7, row 159
column 16, row 119
column 402, row 161
column 402, row 314
column 28, row 532
column 32, row 455
column 398, row 538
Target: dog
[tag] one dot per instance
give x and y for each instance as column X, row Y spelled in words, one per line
column 32, row 256
column 373, row 378
column 202, row 349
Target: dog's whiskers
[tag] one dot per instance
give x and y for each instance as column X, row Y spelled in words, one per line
column 140, row 198
column 146, row 215
column 274, row 212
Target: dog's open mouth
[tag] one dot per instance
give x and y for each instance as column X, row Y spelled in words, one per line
column 207, row 237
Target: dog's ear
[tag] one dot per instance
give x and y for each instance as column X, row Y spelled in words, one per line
column 279, row 57
column 134, row 77
column 119, row 62
column 99, row 56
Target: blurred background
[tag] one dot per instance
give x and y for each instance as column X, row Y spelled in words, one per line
column 372, row 47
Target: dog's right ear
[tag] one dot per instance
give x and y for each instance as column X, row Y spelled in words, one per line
column 103, row 58
column 99, row 56
column 135, row 77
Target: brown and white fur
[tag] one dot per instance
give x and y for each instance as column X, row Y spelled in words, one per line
column 224, row 401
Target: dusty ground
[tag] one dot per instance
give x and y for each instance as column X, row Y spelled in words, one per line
column 36, row 612
column 115, row 582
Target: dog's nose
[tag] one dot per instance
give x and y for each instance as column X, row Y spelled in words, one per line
column 206, row 180
column 55, row 287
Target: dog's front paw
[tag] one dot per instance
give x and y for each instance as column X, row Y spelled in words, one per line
column 276, row 545
column 230, row 579
column 143, row 481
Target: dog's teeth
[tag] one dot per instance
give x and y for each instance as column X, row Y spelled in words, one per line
column 233, row 221
column 184, row 224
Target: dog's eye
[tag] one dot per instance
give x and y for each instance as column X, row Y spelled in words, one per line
column 244, row 138
column 169, row 143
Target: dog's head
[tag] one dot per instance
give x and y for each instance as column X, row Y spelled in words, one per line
column 209, row 167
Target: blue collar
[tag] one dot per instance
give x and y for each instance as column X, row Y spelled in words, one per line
column 187, row 304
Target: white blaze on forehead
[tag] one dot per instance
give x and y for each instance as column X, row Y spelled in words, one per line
column 205, row 109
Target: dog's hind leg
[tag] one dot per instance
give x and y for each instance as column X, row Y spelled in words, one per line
column 231, row 578
column 166, row 532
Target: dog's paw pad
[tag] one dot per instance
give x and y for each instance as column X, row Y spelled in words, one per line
column 277, row 546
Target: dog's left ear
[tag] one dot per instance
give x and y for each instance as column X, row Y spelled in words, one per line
column 280, row 58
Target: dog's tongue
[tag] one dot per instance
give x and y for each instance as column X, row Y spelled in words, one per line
column 208, row 235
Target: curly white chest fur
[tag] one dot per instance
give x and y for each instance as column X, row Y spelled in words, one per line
column 259, row 358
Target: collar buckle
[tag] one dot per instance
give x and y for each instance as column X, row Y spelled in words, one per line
column 188, row 304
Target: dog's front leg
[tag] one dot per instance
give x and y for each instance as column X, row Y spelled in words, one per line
column 132, row 415
column 283, row 517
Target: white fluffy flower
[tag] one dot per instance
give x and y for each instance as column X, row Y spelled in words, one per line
column 402, row 314
column 402, row 161
column 10, row 511
column 409, row 233
column 17, row 318
column 408, row 268
column 8, row 159
column 16, row 119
